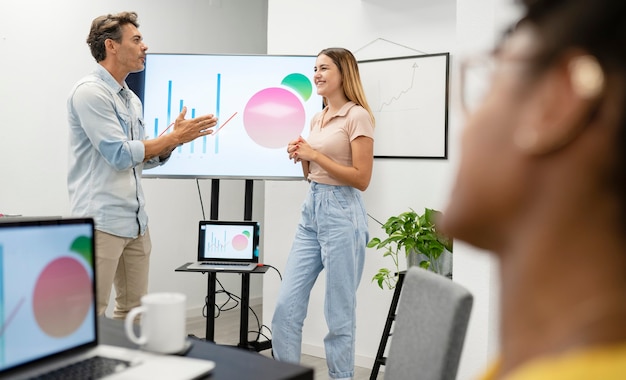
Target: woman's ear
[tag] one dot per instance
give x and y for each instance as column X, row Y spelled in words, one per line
column 564, row 97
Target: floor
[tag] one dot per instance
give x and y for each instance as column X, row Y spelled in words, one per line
column 227, row 332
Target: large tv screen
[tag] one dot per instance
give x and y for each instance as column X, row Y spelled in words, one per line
column 262, row 102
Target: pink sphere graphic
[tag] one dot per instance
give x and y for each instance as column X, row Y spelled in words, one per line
column 240, row 242
column 273, row 117
column 62, row 297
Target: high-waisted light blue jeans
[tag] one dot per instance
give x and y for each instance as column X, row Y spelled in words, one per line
column 332, row 235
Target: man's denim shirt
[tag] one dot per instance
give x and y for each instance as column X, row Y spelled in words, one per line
column 106, row 155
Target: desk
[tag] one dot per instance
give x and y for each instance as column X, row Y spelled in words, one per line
column 245, row 303
column 230, row 363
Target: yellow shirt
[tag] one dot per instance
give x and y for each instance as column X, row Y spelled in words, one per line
column 602, row 363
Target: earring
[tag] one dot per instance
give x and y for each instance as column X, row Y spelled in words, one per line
column 587, row 76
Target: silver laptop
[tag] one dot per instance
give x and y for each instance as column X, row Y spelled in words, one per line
column 227, row 246
column 48, row 315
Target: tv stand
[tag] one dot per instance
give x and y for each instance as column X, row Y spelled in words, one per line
column 245, row 305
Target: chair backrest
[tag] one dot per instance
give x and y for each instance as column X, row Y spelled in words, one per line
column 429, row 329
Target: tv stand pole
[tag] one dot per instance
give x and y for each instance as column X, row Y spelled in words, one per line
column 245, row 277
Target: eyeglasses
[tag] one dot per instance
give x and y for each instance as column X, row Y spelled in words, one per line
column 477, row 74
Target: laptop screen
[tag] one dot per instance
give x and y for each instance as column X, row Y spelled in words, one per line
column 47, row 302
column 236, row 241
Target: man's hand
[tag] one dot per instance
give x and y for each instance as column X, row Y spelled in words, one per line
column 186, row 130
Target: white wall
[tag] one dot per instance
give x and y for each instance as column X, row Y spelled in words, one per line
column 43, row 53
column 376, row 29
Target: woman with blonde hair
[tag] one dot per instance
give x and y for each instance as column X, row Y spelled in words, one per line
column 332, row 234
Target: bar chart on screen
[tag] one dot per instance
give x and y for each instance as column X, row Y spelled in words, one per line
column 159, row 131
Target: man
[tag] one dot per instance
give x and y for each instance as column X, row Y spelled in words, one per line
column 108, row 152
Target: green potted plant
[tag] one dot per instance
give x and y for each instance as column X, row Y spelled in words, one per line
column 417, row 237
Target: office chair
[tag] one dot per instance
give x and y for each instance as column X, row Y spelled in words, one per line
column 430, row 326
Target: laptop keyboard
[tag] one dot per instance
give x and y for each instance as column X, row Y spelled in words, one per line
column 226, row 263
column 88, row 369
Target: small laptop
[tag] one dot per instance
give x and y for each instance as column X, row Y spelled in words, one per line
column 227, row 246
column 48, row 317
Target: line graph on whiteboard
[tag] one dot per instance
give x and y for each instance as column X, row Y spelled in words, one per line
column 409, row 98
column 388, row 104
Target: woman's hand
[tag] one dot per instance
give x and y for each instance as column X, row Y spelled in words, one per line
column 300, row 150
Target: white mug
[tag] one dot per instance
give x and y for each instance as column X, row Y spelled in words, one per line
column 163, row 322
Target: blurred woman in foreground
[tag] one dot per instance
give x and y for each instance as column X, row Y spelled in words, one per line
column 542, row 184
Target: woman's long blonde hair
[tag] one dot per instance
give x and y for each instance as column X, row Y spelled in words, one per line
column 350, row 77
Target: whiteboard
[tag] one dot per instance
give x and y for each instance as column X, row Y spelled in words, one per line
column 409, row 99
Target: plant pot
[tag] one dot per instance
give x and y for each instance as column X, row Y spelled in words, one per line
column 443, row 265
